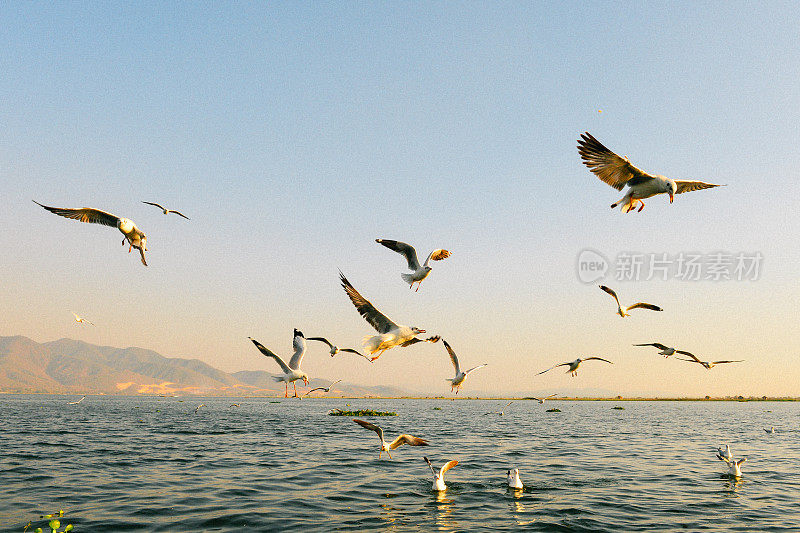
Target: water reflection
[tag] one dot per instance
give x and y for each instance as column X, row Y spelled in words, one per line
column 444, row 510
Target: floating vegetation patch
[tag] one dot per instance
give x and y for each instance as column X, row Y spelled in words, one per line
column 361, row 412
column 274, row 402
column 53, row 523
column 437, row 408
column 554, row 410
column 618, row 408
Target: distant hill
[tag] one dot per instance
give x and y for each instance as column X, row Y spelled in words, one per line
column 67, row 365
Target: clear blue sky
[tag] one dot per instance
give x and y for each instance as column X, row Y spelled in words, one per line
column 294, row 134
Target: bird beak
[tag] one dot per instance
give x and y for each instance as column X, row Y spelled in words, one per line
column 422, row 331
column 671, row 196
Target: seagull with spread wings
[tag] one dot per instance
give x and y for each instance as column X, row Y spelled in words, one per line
column 81, row 320
column 438, row 477
column 420, row 272
column 573, row 365
column 542, row 400
column 165, row 210
column 399, row 441
column 618, row 171
column 135, row 237
column 79, row 401
column 291, row 372
column 501, row 413
column 707, row 364
column 666, row 351
column 624, row 312
column 335, row 349
column 326, row 389
column 390, row 334
column 455, row 383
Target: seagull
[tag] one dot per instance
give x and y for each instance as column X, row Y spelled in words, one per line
column 707, row 364
column 335, row 349
column 81, row 320
column 167, row 211
column 501, row 413
column 542, row 400
column 326, row 389
column 79, row 401
column 438, row 479
column 573, row 366
column 391, row 334
column 133, row 235
column 771, row 430
column 624, row 312
column 456, row 382
column 198, row 407
column 734, row 467
column 234, row 405
column 724, row 454
column 618, row 171
column 408, row 251
column 666, row 351
column 399, row 441
column 291, row 372
column 512, row 477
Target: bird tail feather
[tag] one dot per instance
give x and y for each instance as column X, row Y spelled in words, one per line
column 408, row 278
column 371, row 343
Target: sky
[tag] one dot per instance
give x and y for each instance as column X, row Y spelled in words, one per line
column 294, row 134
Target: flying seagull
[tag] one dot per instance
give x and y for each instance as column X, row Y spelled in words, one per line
column 573, row 365
column 501, row 413
column 419, row 272
column 81, row 320
column 666, row 351
column 542, row 400
column 513, row 480
column 618, row 171
column 399, row 441
column 198, row 407
column 326, row 389
column 438, row 478
column 624, row 312
column 291, row 372
column 391, row 334
column 135, row 237
column 707, row 364
column 234, row 405
column 79, row 401
column 456, row 382
column 335, row 349
column 167, row 211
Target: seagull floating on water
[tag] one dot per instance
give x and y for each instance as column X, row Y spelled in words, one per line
column 771, row 430
column 542, row 400
column 81, row 320
column 335, row 349
column 167, row 211
column 624, row 312
column 79, row 401
column 438, row 478
column 513, row 480
column 734, row 467
column 573, row 365
column 135, row 237
column 666, row 351
column 456, row 382
column 291, row 372
column 408, row 251
column 501, row 413
column 399, row 441
column 326, row 389
column 707, row 364
column 618, row 172
column 391, row 334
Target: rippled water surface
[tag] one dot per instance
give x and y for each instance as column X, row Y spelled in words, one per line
column 152, row 464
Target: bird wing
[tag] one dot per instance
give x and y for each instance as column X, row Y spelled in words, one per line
column 453, row 357
column 689, row 186
column 608, row 166
column 415, row 340
column 299, row 350
column 407, row 439
column 366, row 425
column 141, row 253
column 312, row 390
column 430, row 466
column 694, row 358
column 406, row 250
column 376, row 319
column 155, row 204
column 597, row 359
column 321, row 339
column 552, row 367
column 447, row 466
column 180, row 214
column 643, row 305
column 437, row 255
column 266, row 351
column 509, row 403
column 84, row 214
column 656, row 344
column 353, row 351
column 475, row 368
column 611, row 292
column 737, row 361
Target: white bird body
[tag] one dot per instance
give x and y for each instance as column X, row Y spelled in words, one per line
column 460, row 376
column 735, row 467
column 542, row 400
column 418, row 271
column 512, row 477
column 438, row 477
column 81, row 320
column 291, row 372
